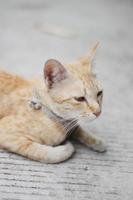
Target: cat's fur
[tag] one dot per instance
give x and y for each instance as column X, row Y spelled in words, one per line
column 69, row 96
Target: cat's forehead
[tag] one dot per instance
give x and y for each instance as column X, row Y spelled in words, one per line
column 84, row 82
column 91, row 82
column 74, row 85
column 69, row 87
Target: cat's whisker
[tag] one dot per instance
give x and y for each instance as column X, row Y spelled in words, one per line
column 70, row 127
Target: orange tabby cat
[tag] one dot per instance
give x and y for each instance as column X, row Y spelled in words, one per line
column 36, row 117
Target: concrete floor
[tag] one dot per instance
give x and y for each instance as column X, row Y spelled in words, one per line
column 33, row 31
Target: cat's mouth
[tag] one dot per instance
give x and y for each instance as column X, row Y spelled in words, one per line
column 92, row 115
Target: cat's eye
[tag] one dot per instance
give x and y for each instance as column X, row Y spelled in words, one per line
column 99, row 93
column 80, row 99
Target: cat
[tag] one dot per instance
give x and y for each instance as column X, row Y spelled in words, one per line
column 38, row 116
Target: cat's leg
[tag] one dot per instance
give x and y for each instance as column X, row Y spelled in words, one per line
column 89, row 140
column 36, row 151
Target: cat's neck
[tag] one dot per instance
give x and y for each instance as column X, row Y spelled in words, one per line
column 37, row 103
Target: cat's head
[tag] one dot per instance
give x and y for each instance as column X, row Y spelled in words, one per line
column 74, row 89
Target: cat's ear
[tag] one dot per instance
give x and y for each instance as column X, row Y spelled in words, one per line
column 88, row 58
column 92, row 52
column 54, row 72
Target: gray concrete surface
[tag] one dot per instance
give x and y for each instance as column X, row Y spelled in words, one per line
column 33, row 31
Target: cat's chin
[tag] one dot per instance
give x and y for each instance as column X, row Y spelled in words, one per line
column 84, row 121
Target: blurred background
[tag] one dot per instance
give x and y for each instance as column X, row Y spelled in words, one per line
column 32, row 31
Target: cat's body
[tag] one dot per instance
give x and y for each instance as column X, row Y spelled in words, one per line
column 37, row 132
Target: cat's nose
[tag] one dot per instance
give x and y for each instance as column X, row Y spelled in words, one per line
column 97, row 113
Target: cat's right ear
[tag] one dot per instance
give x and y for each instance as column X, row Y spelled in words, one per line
column 54, row 72
column 89, row 57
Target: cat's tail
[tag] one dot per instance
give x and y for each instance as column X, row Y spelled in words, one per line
column 37, row 151
column 59, row 153
column 49, row 154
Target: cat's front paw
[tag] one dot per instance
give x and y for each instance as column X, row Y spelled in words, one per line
column 99, row 146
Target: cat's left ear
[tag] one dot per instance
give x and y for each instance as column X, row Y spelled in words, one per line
column 54, row 72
